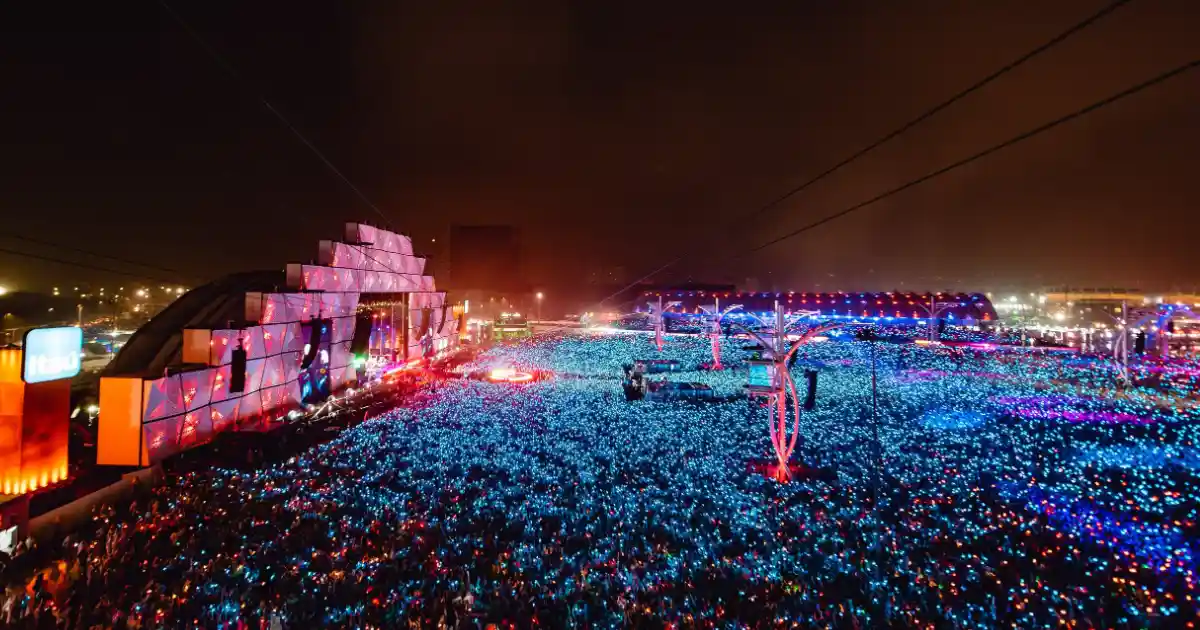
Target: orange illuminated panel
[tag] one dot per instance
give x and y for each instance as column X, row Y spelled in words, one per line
column 44, row 433
column 197, row 346
column 12, row 402
column 118, row 440
column 34, row 421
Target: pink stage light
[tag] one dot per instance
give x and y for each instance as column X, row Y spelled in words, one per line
column 509, row 375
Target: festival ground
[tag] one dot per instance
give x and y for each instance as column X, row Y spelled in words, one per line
column 1018, row 488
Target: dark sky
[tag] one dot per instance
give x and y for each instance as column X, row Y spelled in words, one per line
column 611, row 133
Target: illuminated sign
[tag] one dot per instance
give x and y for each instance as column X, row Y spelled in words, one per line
column 51, row 354
column 762, row 375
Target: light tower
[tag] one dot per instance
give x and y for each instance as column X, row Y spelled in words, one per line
column 934, row 309
column 1120, row 347
column 714, row 315
column 656, row 316
column 771, row 378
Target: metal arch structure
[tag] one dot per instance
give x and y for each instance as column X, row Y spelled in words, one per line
column 714, row 316
column 1161, row 318
column 776, row 346
column 656, row 316
column 1167, row 314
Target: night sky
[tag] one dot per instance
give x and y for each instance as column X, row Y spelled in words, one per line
column 611, row 133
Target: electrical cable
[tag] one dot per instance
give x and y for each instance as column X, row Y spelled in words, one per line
column 1174, row 72
column 975, row 87
column 229, row 69
column 929, row 113
column 85, row 252
column 232, row 72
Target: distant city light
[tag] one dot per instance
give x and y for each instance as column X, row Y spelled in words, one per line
column 141, row 293
column 3, row 290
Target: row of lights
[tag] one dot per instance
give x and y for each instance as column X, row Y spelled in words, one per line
column 16, row 485
column 142, row 293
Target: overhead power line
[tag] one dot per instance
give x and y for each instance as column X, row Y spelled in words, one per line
column 237, row 77
column 85, row 252
column 140, row 276
column 72, row 263
column 229, row 69
column 267, row 104
column 1191, row 65
column 931, row 112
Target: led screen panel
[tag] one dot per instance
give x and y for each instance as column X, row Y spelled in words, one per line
column 762, row 375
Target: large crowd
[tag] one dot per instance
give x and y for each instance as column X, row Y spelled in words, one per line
column 975, row 489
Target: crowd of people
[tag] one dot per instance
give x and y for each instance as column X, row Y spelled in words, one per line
column 975, row 489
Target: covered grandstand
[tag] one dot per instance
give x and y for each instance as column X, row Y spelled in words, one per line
column 966, row 308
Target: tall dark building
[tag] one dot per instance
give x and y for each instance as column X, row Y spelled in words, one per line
column 486, row 258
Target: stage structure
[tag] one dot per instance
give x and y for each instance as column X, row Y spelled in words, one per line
column 656, row 317
column 243, row 351
column 770, row 378
column 714, row 314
